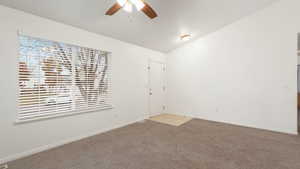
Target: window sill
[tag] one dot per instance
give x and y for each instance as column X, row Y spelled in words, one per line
column 72, row 113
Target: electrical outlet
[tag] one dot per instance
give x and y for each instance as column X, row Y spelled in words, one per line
column 4, row 166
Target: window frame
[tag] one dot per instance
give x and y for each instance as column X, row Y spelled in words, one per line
column 63, row 113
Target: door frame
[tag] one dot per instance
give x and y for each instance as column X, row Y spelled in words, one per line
column 149, row 82
column 298, row 99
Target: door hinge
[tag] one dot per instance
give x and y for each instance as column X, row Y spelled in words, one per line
column 5, row 166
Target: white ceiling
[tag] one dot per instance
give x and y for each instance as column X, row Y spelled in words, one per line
column 176, row 17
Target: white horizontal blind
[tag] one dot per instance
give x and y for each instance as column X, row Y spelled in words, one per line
column 92, row 79
column 57, row 79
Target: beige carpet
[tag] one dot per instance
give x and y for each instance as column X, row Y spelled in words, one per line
column 197, row 144
column 171, row 119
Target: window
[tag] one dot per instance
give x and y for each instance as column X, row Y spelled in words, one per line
column 58, row 79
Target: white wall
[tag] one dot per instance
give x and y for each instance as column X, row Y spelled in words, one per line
column 243, row 74
column 129, row 86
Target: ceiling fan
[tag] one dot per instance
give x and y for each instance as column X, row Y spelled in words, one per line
column 127, row 5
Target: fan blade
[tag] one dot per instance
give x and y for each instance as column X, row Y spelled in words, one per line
column 149, row 11
column 115, row 8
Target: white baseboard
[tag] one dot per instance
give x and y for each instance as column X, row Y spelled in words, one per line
column 237, row 123
column 63, row 142
column 245, row 125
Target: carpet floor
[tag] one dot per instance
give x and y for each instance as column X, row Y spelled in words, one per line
column 197, row 144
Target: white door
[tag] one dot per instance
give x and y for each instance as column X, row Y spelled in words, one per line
column 156, row 87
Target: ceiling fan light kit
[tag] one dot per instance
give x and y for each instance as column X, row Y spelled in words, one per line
column 185, row 37
column 122, row 2
column 127, row 5
column 138, row 4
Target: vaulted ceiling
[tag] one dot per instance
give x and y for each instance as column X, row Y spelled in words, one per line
column 176, row 17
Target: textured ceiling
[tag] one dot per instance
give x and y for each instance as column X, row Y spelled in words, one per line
column 176, row 17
